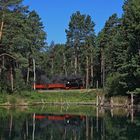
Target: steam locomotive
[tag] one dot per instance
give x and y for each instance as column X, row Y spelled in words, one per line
column 71, row 83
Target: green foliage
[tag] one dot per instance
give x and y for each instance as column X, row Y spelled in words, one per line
column 22, row 36
column 109, row 39
column 4, row 82
column 19, row 82
column 115, row 84
column 120, row 42
column 137, row 91
column 60, row 96
column 3, row 98
column 12, row 100
column 81, row 48
column 113, row 56
column 120, row 100
column 80, row 40
column 131, row 25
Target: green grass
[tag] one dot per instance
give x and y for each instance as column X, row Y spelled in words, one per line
column 73, row 110
column 120, row 100
column 3, row 98
column 58, row 109
column 59, row 96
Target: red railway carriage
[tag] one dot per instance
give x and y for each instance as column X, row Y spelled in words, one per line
column 56, row 86
column 58, row 117
column 50, row 86
column 61, row 119
column 67, row 83
column 41, row 86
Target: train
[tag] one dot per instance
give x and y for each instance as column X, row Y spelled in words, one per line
column 63, row 120
column 53, row 117
column 76, row 83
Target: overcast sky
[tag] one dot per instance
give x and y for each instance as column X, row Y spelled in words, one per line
column 55, row 14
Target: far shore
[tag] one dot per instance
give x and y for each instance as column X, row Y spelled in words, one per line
column 93, row 97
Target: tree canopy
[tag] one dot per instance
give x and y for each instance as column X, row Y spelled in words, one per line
column 110, row 59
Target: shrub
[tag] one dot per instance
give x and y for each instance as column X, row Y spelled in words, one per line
column 115, row 85
column 19, row 83
column 12, row 100
column 4, row 82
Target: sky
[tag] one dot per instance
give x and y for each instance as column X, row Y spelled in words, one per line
column 55, row 14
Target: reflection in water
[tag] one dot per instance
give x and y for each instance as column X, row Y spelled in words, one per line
column 111, row 125
column 60, row 126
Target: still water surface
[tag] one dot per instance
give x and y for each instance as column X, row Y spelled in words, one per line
column 99, row 125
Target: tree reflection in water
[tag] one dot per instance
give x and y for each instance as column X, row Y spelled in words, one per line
column 104, row 125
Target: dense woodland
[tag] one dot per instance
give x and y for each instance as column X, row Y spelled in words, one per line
column 110, row 59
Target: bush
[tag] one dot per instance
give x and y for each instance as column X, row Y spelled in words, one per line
column 4, row 82
column 19, row 84
column 137, row 91
column 115, row 85
column 13, row 100
column 120, row 100
column 3, row 98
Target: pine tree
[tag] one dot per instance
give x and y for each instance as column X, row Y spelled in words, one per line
column 81, row 38
column 21, row 32
column 127, row 63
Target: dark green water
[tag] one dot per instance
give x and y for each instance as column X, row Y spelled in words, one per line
column 101, row 125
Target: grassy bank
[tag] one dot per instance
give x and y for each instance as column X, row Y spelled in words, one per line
column 50, row 109
column 31, row 98
column 89, row 110
column 58, row 109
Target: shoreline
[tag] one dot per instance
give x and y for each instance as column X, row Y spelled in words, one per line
column 33, row 104
column 87, row 97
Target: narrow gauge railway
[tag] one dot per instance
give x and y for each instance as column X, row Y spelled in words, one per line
column 68, row 85
column 58, row 82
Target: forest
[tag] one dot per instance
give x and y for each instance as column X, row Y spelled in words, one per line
column 110, row 59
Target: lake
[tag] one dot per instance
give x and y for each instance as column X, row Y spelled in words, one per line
column 69, row 123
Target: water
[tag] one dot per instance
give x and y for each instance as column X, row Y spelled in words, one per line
column 92, row 124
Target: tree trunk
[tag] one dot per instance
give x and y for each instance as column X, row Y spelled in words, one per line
column 75, row 137
column 51, row 138
column 3, row 62
column 64, row 65
column 97, row 119
column 87, row 72
column 34, row 69
column 71, row 65
column 65, row 133
column 11, row 124
column 102, row 68
column 28, row 74
column 103, row 129
column 79, row 68
column 92, row 72
column 1, row 27
column 27, row 129
column 75, row 64
column 0, row 71
column 91, row 129
column 33, row 133
column 87, row 128
column 52, row 66
column 2, row 65
column 11, row 79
